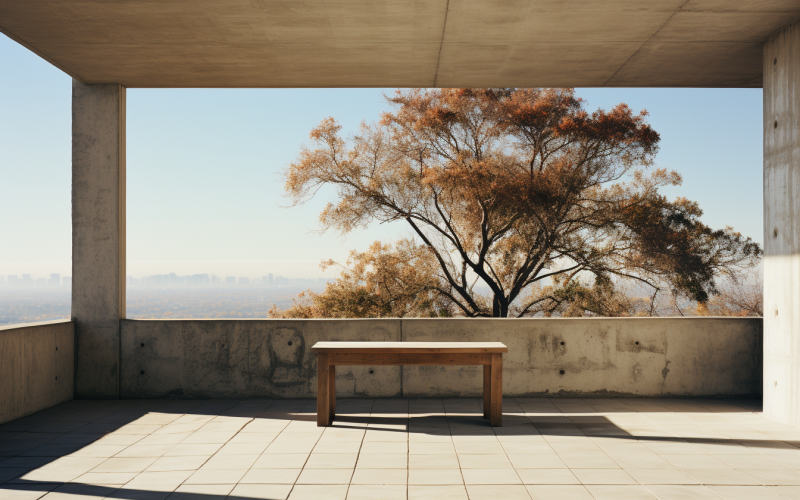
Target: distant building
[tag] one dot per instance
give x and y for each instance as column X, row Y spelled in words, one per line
column 26, row 280
column 269, row 279
column 244, row 281
column 230, row 280
column 55, row 280
column 197, row 280
column 177, row 281
column 2, row 280
column 13, row 280
column 216, row 281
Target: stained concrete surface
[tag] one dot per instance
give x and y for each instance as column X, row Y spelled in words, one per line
column 36, row 367
column 98, row 235
column 782, row 226
column 599, row 356
column 402, row 43
column 431, row 449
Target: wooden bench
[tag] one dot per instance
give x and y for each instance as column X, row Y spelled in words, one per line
column 488, row 354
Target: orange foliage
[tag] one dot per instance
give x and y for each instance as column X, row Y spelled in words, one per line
column 522, row 192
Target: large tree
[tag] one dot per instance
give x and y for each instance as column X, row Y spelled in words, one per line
column 520, row 192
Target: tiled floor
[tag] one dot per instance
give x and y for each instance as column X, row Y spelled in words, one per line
column 400, row 449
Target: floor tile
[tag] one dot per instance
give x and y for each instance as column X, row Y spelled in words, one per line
column 271, row 476
column 603, row 476
column 579, row 461
column 192, row 450
column 437, row 492
column 432, row 461
column 745, row 493
column 105, row 477
column 124, row 465
column 25, row 491
column 484, row 461
column 620, row 492
column 242, row 449
column 790, row 492
column 331, row 461
column 490, row 476
column 201, row 492
column 559, row 492
column 660, row 476
column 159, row 481
column 750, row 462
column 435, row 476
column 75, row 491
column 497, row 492
column 216, row 477
column 375, row 492
column 695, row 462
column 382, row 461
column 337, row 447
column 479, row 447
column 380, row 476
column 772, row 477
column 281, row 461
column 536, row 461
column 176, row 463
column 720, row 476
column 642, row 462
column 682, row 492
column 431, row 449
column 547, row 476
column 260, row 492
column 325, row 476
column 319, row 492
column 524, row 447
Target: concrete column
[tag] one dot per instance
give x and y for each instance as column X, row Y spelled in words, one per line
column 98, row 235
column 782, row 226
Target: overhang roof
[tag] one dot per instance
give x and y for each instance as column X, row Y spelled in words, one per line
column 401, row 43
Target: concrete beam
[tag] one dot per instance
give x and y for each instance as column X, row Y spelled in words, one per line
column 98, row 235
column 402, row 43
column 782, row 226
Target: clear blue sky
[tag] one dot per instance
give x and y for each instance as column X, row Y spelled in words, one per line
column 204, row 190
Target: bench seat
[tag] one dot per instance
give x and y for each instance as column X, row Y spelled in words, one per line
column 488, row 354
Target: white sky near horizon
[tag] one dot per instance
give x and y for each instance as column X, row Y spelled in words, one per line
column 204, row 186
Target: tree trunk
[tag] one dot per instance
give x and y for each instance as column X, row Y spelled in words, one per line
column 499, row 307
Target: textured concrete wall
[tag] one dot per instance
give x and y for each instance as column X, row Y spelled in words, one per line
column 631, row 356
column 37, row 364
column 98, row 235
column 782, row 226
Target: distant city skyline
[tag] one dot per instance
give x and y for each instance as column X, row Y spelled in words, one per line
column 169, row 280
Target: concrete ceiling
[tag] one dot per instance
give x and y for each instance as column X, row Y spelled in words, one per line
column 401, row 43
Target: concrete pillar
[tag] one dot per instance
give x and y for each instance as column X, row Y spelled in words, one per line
column 98, row 235
column 782, row 226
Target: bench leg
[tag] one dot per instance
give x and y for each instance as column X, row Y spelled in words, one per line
column 487, row 390
column 332, row 393
column 496, row 406
column 323, row 388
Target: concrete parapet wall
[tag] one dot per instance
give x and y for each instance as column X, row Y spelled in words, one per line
column 609, row 356
column 37, row 367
